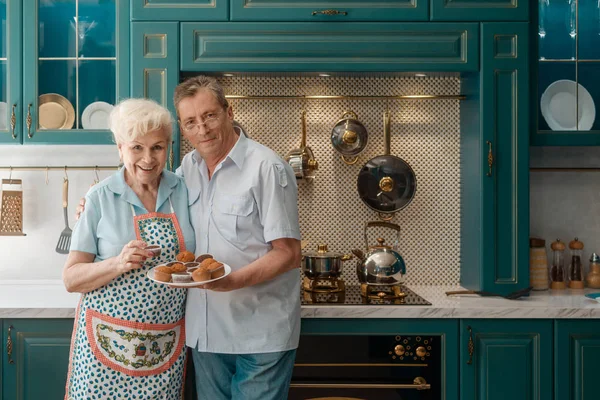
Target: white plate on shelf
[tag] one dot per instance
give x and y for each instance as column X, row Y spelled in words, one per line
column 95, row 116
column 559, row 106
column 192, row 284
column 3, row 115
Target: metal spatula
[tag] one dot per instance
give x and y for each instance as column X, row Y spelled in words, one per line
column 510, row 296
column 64, row 242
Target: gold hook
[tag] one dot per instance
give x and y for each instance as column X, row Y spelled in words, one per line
column 47, row 169
column 66, row 176
column 96, row 173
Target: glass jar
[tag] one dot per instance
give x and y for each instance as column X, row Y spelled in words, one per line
column 538, row 264
column 576, row 273
column 558, row 274
column 593, row 277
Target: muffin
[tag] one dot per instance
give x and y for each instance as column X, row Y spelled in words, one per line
column 178, row 267
column 185, row 256
column 181, row 277
column 155, row 249
column 216, row 269
column 163, row 273
column 207, row 262
column 201, row 274
column 203, row 257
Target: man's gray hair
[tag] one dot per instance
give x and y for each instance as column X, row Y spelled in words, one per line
column 133, row 118
column 191, row 86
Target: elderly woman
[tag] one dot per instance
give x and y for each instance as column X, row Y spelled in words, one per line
column 129, row 336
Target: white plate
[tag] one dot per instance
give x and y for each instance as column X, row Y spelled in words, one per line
column 150, row 275
column 3, row 115
column 95, row 116
column 558, row 105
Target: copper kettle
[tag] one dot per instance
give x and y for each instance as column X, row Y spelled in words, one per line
column 382, row 265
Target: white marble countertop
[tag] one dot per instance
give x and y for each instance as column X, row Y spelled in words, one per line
column 49, row 299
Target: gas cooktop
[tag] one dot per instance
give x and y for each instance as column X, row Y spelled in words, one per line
column 377, row 295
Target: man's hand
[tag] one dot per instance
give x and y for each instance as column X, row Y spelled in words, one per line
column 80, row 208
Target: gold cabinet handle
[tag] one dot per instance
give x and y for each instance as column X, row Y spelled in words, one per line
column 330, row 12
column 13, row 121
column 490, row 158
column 9, row 345
column 29, row 121
column 470, row 346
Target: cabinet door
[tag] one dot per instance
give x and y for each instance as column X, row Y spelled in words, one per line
column 38, row 364
column 329, row 11
column 577, row 351
column 180, row 10
column 505, row 359
column 353, row 46
column 10, row 71
column 77, row 67
column 480, row 10
column 495, row 141
column 155, row 68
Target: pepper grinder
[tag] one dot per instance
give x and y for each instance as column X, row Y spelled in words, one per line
column 557, row 271
column 575, row 268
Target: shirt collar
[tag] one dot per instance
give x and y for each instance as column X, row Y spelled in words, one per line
column 117, row 185
column 236, row 154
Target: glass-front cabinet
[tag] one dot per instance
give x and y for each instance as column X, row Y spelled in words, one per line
column 568, row 65
column 75, row 63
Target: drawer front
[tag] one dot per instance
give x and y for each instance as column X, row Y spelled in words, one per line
column 300, row 47
column 480, row 10
column 331, row 10
column 180, row 10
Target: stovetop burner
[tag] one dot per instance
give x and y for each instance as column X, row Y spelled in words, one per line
column 328, row 293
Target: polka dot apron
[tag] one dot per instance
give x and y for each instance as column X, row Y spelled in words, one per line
column 129, row 335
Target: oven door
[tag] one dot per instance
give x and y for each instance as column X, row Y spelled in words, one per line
column 373, row 367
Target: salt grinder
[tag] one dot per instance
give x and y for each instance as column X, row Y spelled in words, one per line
column 575, row 268
column 557, row 271
column 593, row 277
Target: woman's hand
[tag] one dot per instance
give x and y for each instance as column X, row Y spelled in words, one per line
column 132, row 256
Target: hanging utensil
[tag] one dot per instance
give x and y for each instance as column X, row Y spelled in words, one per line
column 349, row 137
column 64, row 242
column 11, row 213
column 386, row 183
column 511, row 296
column 302, row 159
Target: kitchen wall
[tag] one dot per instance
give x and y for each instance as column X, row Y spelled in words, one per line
column 33, row 257
column 566, row 204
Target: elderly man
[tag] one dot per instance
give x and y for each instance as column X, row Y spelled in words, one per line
column 244, row 328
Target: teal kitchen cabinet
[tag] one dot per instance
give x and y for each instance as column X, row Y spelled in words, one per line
column 576, row 355
column 155, row 68
column 180, row 10
column 322, row 47
column 383, row 337
column 62, row 64
column 495, row 175
column 506, row 359
column 566, row 62
column 480, row 10
column 36, row 367
column 11, row 48
column 330, row 10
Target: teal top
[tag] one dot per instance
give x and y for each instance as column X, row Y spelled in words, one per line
column 106, row 224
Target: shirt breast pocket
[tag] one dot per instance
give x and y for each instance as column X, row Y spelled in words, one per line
column 234, row 218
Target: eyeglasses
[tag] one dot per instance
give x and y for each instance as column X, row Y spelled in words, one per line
column 210, row 120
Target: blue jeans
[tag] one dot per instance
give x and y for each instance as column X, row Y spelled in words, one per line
column 261, row 376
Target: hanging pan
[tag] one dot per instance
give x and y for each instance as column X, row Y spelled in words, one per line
column 386, row 183
column 349, row 137
column 301, row 158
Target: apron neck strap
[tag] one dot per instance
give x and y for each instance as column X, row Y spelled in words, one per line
column 170, row 206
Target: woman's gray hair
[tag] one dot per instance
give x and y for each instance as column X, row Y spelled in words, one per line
column 191, row 86
column 133, row 118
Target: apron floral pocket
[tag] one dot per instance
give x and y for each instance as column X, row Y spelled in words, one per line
column 134, row 348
